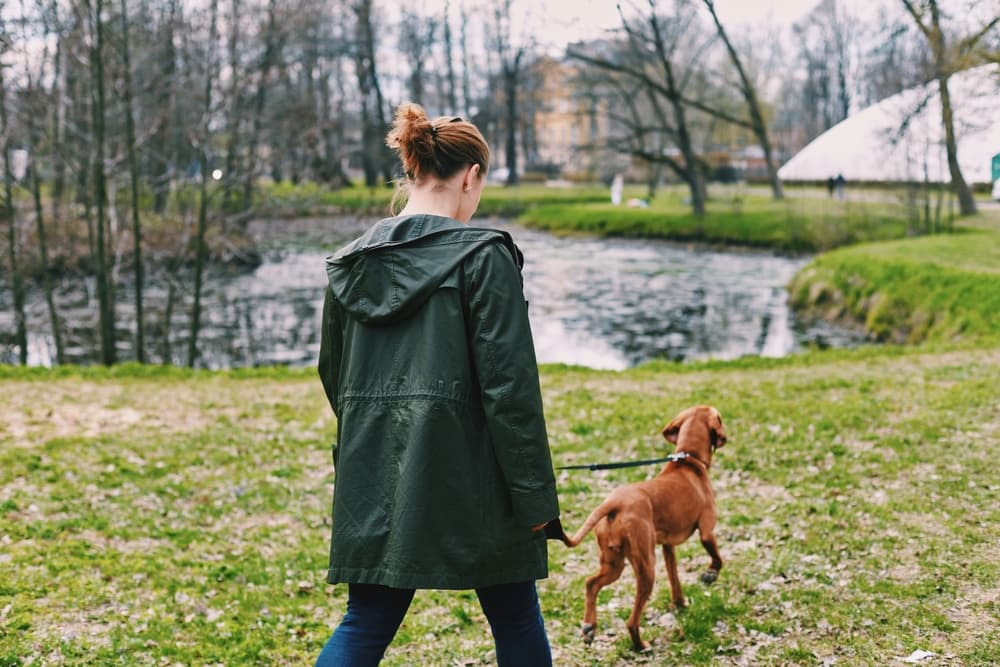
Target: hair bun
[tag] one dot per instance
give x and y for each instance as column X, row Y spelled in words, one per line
column 412, row 136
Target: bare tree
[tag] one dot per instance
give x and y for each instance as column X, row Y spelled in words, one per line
column 163, row 152
column 651, row 51
column 449, row 59
column 105, row 290
column 32, row 111
column 947, row 60
column 204, row 137
column 897, row 58
column 58, row 111
column 749, row 92
column 825, row 41
column 272, row 47
column 510, row 57
column 416, row 38
column 463, row 47
column 374, row 155
column 13, row 249
column 133, row 170
column 234, row 117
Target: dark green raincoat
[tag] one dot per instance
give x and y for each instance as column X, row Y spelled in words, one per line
column 442, row 462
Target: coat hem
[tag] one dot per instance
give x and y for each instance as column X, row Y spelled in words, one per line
column 430, row 581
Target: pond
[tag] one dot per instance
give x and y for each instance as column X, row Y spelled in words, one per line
column 603, row 303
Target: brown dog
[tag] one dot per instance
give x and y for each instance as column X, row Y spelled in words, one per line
column 664, row 510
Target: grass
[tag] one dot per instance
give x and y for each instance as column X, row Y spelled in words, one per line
column 943, row 287
column 798, row 224
column 286, row 199
column 161, row 516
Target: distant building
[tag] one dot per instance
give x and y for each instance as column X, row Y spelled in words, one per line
column 571, row 121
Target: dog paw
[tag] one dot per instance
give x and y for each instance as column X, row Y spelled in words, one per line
column 643, row 647
column 588, row 632
column 709, row 576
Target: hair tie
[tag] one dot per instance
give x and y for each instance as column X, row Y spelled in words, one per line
column 434, row 132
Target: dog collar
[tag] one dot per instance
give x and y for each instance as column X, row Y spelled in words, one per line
column 684, row 456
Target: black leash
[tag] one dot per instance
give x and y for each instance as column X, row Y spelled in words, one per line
column 678, row 456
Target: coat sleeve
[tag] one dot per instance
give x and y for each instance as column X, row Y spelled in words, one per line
column 330, row 349
column 504, row 357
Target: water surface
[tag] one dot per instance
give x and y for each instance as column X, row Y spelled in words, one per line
column 603, row 303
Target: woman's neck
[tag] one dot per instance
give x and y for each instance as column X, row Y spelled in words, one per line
column 441, row 201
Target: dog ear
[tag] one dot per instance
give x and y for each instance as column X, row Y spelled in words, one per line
column 718, row 431
column 671, row 430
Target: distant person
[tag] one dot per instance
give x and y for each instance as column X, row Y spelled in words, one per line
column 443, row 473
column 831, row 184
column 617, row 186
column 838, row 185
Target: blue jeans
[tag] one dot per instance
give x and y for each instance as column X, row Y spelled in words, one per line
column 375, row 612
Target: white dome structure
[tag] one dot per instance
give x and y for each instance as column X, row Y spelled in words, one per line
column 900, row 137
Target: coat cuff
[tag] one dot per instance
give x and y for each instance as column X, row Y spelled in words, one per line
column 534, row 507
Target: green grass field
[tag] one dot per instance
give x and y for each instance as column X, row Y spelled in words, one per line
column 165, row 517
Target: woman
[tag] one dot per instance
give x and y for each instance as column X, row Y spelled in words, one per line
column 443, row 472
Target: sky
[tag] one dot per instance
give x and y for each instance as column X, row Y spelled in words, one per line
column 570, row 20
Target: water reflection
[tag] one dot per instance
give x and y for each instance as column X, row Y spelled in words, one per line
column 617, row 303
column 594, row 302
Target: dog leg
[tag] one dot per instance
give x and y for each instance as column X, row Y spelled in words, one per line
column 712, row 573
column 676, row 592
column 612, row 564
column 706, row 528
column 644, row 564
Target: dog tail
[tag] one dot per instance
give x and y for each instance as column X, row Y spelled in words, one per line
column 609, row 506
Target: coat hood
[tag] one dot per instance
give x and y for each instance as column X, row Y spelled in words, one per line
column 390, row 271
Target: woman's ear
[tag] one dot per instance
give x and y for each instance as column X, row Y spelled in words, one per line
column 471, row 174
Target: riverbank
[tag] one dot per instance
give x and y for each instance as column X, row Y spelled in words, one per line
column 151, row 514
column 792, row 225
column 737, row 215
column 167, row 245
column 932, row 288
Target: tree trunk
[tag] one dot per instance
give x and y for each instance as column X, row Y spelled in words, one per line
column 235, row 108
column 935, row 35
column 270, row 55
column 466, row 63
column 163, row 149
column 58, row 125
column 375, row 158
column 692, row 170
column 133, row 169
column 966, row 202
column 511, row 74
column 36, row 190
column 16, row 277
column 449, row 60
column 200, row 246
column 105, row 294
column 753, row 107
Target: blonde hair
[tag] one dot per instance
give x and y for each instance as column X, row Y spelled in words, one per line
column 433, row 148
